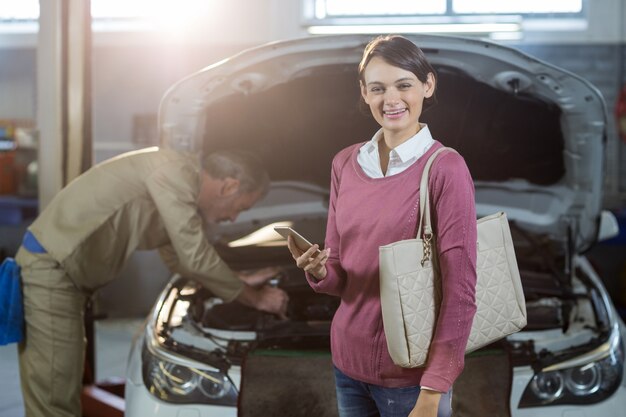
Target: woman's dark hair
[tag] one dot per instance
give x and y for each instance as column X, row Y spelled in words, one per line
column 400, row 52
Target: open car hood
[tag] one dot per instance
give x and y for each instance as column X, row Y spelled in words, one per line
column 533, row 135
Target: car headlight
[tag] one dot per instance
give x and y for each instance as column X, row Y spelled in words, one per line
column 585, row 384
column 183, row 384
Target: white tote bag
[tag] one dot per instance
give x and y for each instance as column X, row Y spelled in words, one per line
column 410, row 286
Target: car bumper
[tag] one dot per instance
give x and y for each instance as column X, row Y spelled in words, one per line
column 139, row 402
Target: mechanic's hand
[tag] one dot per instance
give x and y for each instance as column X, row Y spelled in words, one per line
column 255, row 278
column 308, row 261
column 269, row 299
column 272, row 300
column 427, row 404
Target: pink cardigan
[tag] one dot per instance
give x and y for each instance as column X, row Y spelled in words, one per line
column 365, row 213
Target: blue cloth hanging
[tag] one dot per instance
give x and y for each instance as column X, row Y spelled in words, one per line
column 11, row 303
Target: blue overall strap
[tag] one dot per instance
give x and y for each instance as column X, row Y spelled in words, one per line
column 32, row 244
column 11, row 304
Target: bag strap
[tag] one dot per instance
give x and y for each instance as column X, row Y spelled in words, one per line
column 424, row 218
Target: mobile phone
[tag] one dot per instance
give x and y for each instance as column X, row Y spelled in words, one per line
column 301, row 242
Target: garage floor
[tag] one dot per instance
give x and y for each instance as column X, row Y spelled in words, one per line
column 113, row 340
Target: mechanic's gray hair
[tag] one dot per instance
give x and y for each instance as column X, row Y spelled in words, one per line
column 245, row 167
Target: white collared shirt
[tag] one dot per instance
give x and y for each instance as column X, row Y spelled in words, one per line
column 400, row 158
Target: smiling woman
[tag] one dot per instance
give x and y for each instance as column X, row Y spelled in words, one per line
column 167, row 15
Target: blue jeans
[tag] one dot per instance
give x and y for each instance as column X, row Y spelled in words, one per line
column 359, row 399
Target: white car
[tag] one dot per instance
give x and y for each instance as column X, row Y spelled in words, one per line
column 533, row 136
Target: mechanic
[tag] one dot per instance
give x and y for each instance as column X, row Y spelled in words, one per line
column 149, row 199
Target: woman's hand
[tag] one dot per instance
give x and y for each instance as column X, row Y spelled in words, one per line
column 427, row 404
column 309, row 261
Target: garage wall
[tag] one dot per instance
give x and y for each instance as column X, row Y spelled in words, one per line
column 17, row 86
column 17, row 101
column 131, row 72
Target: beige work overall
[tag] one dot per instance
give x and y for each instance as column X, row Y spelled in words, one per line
column 141, row 200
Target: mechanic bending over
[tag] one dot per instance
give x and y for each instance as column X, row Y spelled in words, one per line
column 141, row 200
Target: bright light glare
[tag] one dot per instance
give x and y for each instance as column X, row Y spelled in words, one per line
column 179, row 313
column 517, row 6
column 21, row 10
column 265, row 236
column 168, row 15
column 175, row 16
column 118, row 9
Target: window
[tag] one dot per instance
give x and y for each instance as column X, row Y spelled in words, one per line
column 377, row 8
column 359, row 8
column 11, row 10
column 440, row 16
column 28, row 10
column 172, row 18
column 536, row 7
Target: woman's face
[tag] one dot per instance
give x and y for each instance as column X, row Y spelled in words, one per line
column 395, row 97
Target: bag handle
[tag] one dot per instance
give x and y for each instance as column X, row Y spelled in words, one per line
column 424, row 218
